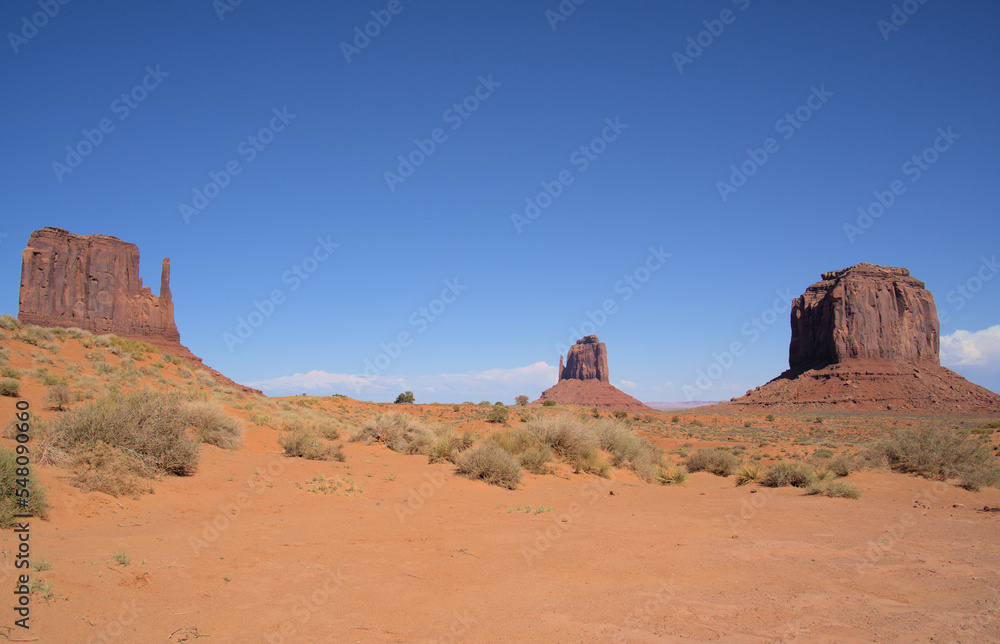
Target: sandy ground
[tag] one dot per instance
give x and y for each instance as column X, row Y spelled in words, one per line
column 247, row 550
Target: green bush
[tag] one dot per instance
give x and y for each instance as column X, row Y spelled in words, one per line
column 146, row 423
column 521, row 400
column 788, row 473
column 491, row 463
column 398, row 431
column 549, row 403
column 535, row 459
column 10, row 387
column 938, row 455
column 716, row 461
column 10, row 372
column 835, row 489
column 35, row 503
column 499, row 414
column 405, row 398
column 769, row 418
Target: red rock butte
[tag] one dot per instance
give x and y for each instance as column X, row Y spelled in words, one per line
column 584, row 380
column 92, row 282
column 867, row 338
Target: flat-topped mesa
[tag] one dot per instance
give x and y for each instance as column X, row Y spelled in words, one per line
column 586, row 360
column 92, row 282
column 864, row 312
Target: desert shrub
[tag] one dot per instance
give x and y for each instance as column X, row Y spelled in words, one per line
column 521, row 400
column 59, row 396
column 620, row 415
column 35, row 503
column 491, row 463
column 535, row 459
column 10, row 372
column 788, row 473
column 590, row 461
column 748, row 472
column 99, row 467
column 834, row 488
column 549, row 403
column 405, row 398
column 716, row 461
column 627, row 449
column 675, row 419
column 822, row 454
column 398, row 431
column 146, row 423
column 448, row 445
column 671, row 476
column 9, row 322
column 938, row 455
column 213, row 425
column 769, row 418
column 305, row 444
column 103, row 368
column 515, row 441
column 566, row 436
column 10, row 387
column 841, row 466
column 498, row 414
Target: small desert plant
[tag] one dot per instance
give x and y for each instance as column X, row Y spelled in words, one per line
column 671, row 476
column 769, row 418
column 515, row 441
column 213, row 426
column 590, row 461
column 9, row 322
column 841, row 465
column 627, row 449
column 938, row 455
column 549, row 403
column 10, row 387
column 112, row 470
column 305, row 444
column 491, row 463
column 448, row 445
column 788, row 473
column 716, row 461
column 748, row 472
column 498, row 414
column 59, row 396
column 535, row 459
column 521, row 400
column 35, row 503
column 834, row 488
column 10, row 372
column 398, row 431
column 121, row 557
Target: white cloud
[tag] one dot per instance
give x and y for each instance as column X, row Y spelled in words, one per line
column 971, row 349
column 493, row 384
column 628, row 383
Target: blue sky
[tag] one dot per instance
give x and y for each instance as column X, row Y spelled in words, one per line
column 546, row 169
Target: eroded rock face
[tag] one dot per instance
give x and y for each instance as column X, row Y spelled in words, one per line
column 864, row 312
column 587, row 360
column 92, row 282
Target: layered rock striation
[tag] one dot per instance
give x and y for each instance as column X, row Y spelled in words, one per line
column 92, row 282
column 867, row 338
column 584, row 380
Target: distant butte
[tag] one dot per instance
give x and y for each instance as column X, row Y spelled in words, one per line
column 92, row 282
column 584, row 380
column 867, row 338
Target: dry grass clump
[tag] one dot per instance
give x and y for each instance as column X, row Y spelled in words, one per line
column 214, row 426
column 568, row 437
column 145, row 423
column 834, row 488
column 717, row 461
column 397, row 430
column 112, row 470
column 789, row 473
column 491, row 463
column 627, row 449
column 10, row 387
column 671, row 475
column 591, row 461
column 36, row 501
column 938, row 455
column 748, row 472
column 536, row 459
column 448, row 446
column 305, row 444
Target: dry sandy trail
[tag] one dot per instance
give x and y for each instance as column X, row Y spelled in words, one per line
column 421, row 555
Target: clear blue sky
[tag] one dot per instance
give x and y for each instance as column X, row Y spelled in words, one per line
column 863, row 99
